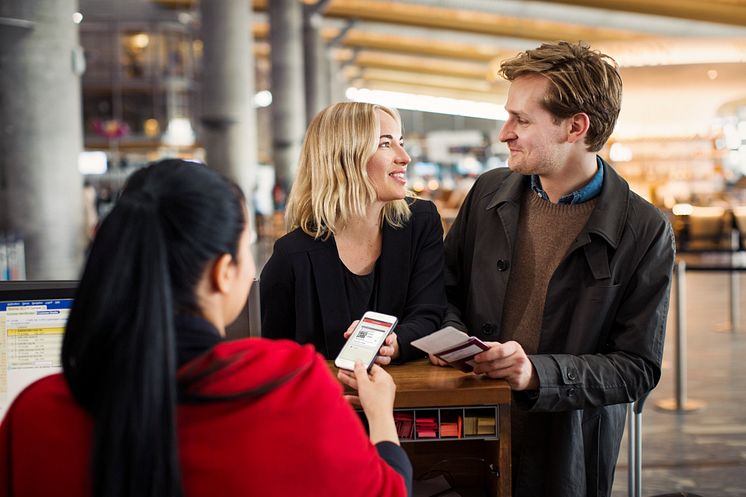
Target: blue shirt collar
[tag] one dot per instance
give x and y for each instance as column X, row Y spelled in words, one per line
column 588, row 192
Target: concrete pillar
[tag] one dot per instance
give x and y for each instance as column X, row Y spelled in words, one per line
column 337, row 81
column 288, row 105
column 41, row 190
column 315, row 63
column 228, row 113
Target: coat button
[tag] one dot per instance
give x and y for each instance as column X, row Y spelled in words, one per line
column 488, row 328
column 502, row 265
column 572, row 376
column 571, row 392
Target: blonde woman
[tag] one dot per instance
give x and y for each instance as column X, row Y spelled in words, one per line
column 357, row 240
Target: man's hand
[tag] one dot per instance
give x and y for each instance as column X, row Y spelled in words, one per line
column 508, row 361
column 437, row 360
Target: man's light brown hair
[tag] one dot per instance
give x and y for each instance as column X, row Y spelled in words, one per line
column 582, row 80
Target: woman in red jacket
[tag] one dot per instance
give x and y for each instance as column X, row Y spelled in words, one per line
column 152, row 401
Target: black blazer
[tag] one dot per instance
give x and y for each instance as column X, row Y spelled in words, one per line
column 303, row 293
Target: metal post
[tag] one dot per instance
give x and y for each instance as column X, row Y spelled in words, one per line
column 680, row 351
column 680, row 403
column 631, row 453
column 734, row 285
column 637, row 421
column 734, row 299
column 731, row 325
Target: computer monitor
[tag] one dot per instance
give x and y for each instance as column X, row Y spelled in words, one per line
column 33, row 315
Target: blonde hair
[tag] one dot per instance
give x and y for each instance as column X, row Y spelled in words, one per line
column 332, row 184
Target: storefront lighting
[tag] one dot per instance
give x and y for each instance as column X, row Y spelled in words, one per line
column 418, row 185
column 140, row 40
column 428, row 103
column 732, row 136
column 620, row 152
column 77, row 17
column 151, row 127
column 682, row 209
column 184, row 18
column 179, row 133
column 742, row 130
column 92, row 162
column 263, row 98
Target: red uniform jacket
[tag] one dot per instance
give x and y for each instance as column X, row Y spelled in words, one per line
column 299, row 439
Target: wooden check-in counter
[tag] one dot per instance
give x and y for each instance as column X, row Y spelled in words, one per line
column 468, row 460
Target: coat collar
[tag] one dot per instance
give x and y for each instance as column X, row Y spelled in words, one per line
column 610, row 215
column 329, row 280
column 607, row 219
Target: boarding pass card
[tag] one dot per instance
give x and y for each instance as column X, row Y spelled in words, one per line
column 453, row 346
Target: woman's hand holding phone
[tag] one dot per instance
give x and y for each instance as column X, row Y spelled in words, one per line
column 375, row 394
column 388, row 351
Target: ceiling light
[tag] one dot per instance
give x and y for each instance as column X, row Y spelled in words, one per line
column 428, row 103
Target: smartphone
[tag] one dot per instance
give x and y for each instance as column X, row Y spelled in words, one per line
column 366, row 340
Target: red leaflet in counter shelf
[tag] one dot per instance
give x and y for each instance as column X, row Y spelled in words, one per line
column 453, row 346
column 404, row 424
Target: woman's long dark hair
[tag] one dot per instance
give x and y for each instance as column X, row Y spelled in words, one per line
column 119, row 354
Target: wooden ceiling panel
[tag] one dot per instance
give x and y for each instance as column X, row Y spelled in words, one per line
column 427, row 49
column 496, row 96
column 426, row 65
column 434, row 80
column 404, row 44
column 470, row 21
column 720, row 11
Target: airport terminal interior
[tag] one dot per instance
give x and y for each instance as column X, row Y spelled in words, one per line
column 92, row 90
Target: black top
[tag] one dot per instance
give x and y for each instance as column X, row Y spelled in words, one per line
column 303, row 293
column 395, row 457
column 194, row 336
column 360, row 291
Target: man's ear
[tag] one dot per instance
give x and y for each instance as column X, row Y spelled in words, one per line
column 223, row 273
column 578, row 126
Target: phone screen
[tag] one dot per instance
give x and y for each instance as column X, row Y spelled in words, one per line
column 365, row 341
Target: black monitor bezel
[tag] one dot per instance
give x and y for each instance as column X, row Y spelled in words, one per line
column 19, row 291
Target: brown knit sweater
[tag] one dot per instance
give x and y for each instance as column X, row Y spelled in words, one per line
column 545, row 232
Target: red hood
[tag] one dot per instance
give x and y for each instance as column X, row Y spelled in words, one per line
column 240, row 367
